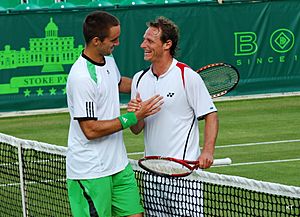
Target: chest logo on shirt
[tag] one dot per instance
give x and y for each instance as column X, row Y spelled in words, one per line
column 108, row 72
column 170, row 94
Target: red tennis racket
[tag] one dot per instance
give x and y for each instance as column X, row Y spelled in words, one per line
column 172, row 167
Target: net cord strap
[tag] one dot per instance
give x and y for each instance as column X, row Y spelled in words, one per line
column 235, row 181
column 35, row 145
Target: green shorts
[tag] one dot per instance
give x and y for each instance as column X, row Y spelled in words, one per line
column 115, row 195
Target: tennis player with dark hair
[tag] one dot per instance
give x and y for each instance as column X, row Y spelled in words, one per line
column 173, row 132
column 100, row 180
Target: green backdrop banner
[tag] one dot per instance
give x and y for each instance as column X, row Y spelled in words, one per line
column 261, row 39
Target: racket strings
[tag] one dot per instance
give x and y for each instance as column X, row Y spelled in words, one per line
column 219, row 79
column 165, row 167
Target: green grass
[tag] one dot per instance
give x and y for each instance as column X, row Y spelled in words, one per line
column 50, row 128
column 241, row 122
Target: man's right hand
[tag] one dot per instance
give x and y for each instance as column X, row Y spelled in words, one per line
column 143, row 109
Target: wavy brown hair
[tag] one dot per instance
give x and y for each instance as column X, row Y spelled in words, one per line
column 169, row 30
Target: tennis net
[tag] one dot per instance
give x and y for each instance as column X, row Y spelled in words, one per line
column 32, row 183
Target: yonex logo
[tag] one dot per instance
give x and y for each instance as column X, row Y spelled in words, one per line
column 170, row 94
column 124, row 119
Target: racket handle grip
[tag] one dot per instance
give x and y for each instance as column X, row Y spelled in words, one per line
column 222, row 161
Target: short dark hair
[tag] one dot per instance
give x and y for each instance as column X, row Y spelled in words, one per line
column 97, row 24
column 169, row 30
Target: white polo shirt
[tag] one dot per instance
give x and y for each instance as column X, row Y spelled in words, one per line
column 173, row 131
column 92, row 93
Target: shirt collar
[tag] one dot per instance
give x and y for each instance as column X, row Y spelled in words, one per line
column 173, row 64
column 92, row 61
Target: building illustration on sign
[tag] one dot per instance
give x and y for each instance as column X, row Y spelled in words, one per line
column 51, row 53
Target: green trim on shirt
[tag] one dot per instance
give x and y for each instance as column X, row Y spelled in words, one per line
column 92, row 70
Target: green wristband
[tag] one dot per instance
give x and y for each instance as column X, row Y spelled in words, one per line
column 127, row 120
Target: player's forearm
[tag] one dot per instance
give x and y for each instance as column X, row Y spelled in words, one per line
column 125, row 85
column 136, row 129
column 210, row 132
column 94, row 129
column 98, row 128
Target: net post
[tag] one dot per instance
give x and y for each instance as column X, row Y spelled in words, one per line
column 22, row 184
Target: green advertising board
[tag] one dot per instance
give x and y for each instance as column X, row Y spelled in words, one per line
column 34, row 62
column 262, row 39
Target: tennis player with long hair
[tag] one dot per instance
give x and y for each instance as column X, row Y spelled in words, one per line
column 99, row 178
column 173, row 132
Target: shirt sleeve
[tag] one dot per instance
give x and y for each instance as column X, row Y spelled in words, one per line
column 83, row 98
column 197, row 94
